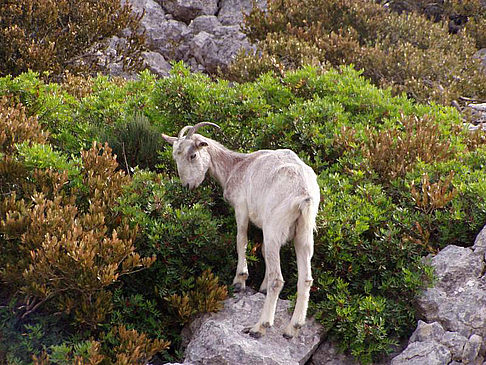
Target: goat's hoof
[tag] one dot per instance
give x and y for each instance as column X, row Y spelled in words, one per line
column 287, row 336
column 252, row 333
column 238, row 287
column 292, row 330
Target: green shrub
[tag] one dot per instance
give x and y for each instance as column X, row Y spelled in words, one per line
column 398, row 180
column 134, row 142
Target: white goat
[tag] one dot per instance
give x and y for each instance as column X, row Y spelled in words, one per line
column 277, row 192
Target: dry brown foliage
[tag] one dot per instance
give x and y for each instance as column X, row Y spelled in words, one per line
column 71, row 244
column 393, row 152
column 54, row 35
column 206, row 297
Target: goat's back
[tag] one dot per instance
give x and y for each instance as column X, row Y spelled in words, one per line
column 273, row 185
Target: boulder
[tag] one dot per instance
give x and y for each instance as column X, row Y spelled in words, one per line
column 458, row 299
column 328, row 354
column 421, row 353
column 156, row 63
column 231, row 12
column 481, row 55
column 219, row 338
column 455, row 309
column 187, row 10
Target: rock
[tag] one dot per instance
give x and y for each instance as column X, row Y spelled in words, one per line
column 480, row 242
column 458, row 299
column 187, row 10
column 427, row 332
column 231, row 11
column 455, row 342
column 328, row 354
column 471, row 349
column 156, row 63
column 478, row 114
column 219, row 339
column 454, row 265
column 481, row 55
column 421, row 353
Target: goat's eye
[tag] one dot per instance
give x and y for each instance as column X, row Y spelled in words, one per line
column 193, row 156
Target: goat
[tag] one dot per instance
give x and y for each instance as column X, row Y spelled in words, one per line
column 273, row 189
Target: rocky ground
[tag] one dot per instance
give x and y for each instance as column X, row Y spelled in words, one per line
column 452, row 329
column 205, row 34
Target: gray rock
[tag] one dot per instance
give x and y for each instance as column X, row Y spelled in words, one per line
column 421, row 353
column 427, row 332
column 156, row 63
column 481, row 55
column 219, row 339
column 328, row 354
column 480, row 242
column 231, row 11
column 205, row 23
column 187, row 10
column 471, row 349
column 454, row 265
column 458, row 299
column 455, row 342
column 162, row 34
column 478, row 114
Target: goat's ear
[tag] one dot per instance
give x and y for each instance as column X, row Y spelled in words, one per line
column 169, row 139
column 201, row 144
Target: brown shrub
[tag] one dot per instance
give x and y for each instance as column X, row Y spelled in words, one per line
column 50, row 35
column 405, row 51
column 64, row 247
column 206, row 297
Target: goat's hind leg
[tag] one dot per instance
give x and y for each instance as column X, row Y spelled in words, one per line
column 304, row 248
column 239, row 282
column 274, row 287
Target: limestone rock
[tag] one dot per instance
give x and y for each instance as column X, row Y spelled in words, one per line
column 187, row 10
column 156, row 63
column 219, row 339
column 420, row 353
column 231, row 11
column 427, row 332
column 458, row 299
column 471, row 349
column 328, row 354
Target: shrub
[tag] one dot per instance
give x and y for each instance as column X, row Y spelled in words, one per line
column 54, row 36
column 406, row 52
column 135, row 142
column 384, row 166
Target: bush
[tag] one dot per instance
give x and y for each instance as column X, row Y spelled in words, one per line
column 398, row 181
column 406, row 52
column 135, row 142
column 55, row 36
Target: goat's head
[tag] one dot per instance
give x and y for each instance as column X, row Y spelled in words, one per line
column 190, row 154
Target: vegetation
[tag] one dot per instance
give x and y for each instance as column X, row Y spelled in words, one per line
column 404, row 50
column 59, row 36
column 102, row 261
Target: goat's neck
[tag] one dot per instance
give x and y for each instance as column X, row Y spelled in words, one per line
column 223, row 162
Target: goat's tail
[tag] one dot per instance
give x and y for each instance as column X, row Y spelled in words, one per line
column 308, row 211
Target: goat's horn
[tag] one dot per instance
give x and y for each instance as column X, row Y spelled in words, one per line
column 199, row 125
column 183, row 130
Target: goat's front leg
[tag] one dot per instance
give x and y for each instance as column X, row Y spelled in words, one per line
column 239, row 282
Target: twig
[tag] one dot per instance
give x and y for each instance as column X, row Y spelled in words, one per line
column 125, row 158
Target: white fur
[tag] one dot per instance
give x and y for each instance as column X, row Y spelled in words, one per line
column 278, row 193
